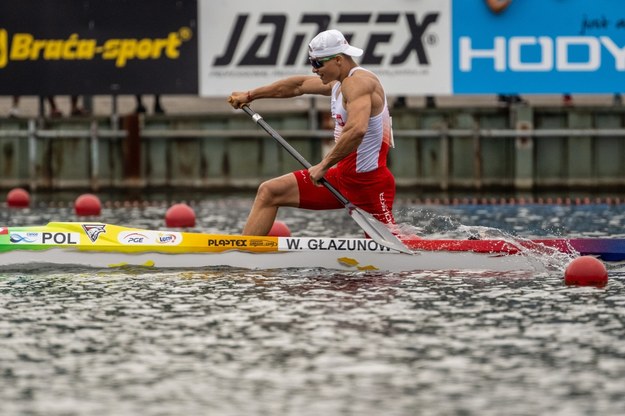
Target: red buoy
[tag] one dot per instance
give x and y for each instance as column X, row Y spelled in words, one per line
column 87, row 205
column 586, row 271
column 180, row 215
column 18, row 198
column 279, row 229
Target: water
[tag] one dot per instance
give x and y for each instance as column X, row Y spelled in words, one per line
column 316, row 342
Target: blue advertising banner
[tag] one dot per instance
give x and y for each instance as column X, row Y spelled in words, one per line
column 538, row 46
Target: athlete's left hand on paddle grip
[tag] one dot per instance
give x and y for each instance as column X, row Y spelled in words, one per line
column 239, row 98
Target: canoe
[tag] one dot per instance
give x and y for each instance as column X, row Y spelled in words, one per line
column 100, row 245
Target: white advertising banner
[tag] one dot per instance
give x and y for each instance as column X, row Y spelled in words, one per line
column 247, row 43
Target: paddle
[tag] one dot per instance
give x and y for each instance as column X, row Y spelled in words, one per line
column 374, row 228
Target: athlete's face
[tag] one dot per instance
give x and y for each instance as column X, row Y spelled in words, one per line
column 327, row 68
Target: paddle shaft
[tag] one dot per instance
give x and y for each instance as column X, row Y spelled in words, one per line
column 277, row 137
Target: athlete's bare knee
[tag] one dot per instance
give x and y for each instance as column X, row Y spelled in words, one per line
column 268, row 192
column 277, row 192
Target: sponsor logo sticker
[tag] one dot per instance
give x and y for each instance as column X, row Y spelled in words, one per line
column 93, row 231
column 4, row 230
column 227, row 242
column 149, row 238
column 133, row 238
column 263, row 243
column 169, row 238
column 25, row 238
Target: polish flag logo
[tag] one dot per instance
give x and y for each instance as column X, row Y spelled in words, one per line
column 4, row 230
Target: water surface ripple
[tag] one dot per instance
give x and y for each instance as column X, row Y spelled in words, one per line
column 314, row 342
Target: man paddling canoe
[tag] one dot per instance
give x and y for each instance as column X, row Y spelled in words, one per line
column 356, row 165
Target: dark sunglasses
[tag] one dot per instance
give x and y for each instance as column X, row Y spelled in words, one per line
column 318, row 63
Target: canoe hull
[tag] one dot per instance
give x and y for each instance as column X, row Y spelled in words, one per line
column 105, row 245
column 333, row 260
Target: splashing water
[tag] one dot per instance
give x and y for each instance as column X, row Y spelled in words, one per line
column 432, row 225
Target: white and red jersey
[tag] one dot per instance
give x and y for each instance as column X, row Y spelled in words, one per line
column 372, row 151
column 362, row 176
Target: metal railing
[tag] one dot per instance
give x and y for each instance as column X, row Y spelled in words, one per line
column 95, row 134
column 95, row 131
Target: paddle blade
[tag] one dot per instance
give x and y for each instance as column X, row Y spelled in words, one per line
column 376, row 230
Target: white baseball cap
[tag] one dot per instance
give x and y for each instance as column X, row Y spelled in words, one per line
column 331, row 42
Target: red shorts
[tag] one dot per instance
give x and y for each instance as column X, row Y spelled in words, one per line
column 372, row 191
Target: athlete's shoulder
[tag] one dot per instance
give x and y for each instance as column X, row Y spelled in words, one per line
column 360, row 74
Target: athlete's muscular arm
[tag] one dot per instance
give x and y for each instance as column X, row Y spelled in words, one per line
column 284, row 88
column 357, row 94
